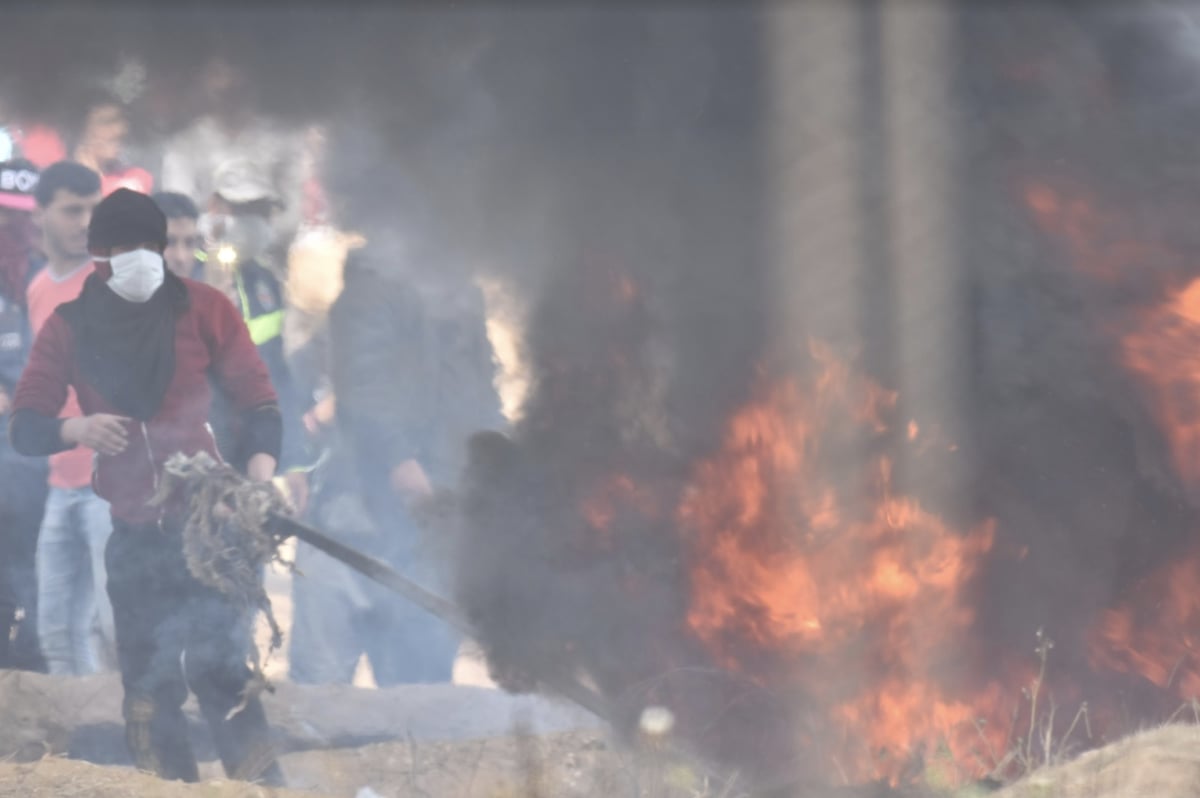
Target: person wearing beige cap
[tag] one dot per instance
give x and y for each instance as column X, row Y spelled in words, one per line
column 229, row 127
column 238, row 234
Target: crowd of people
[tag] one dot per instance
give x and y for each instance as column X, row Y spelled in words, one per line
column 206, row 301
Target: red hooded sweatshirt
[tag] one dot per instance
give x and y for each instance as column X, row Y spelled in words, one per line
column 210, row 339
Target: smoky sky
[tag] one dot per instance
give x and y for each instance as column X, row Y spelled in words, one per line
column 476, row 113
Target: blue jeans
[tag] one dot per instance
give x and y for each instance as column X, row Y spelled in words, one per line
column 72, row 601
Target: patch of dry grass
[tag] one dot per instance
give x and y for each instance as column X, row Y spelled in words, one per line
column 56, row 777
column 1159, row 763
column 1042, row 743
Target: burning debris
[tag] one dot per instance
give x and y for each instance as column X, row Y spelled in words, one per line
column 796, row 587
column 780, row 612
column 747, row 543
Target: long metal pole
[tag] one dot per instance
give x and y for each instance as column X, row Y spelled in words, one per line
column 383, row 574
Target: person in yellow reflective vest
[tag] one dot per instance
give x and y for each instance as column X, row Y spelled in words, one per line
column 238, row 234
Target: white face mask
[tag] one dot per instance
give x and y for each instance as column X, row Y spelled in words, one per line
column 136, row 275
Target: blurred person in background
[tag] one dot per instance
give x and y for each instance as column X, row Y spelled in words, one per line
column 22, row 479
column 100, row 145
column 139, row 347
column 38, row 143
column 413, row 376
column 327, row 638
column 75, row 617
column 237, row 231
column 335, row 619
column 183, row 254
column 314, row 280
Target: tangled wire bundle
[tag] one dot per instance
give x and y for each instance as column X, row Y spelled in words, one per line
column 226, row 537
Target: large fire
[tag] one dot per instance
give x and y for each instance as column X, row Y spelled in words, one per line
column 813, row 577
column 808, row 577
column 794, row 566
column 1150, row 632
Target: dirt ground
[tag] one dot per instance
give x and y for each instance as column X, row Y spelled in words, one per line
column 68, row 778
column 567, row 765
column 1159, row 763
column 461, row 740
column 561, row 765
column 469, row 669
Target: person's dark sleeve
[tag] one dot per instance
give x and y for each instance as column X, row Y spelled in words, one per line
column 35, row 428
column 263, row 431
column 35, row 435
column 244, row 378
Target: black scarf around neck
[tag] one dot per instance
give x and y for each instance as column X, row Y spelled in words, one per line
column 126, row 350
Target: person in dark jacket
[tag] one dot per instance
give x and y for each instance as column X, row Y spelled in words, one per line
column 22, row 479
column 138, row 346
column 413, row 378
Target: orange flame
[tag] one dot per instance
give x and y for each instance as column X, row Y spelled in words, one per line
column 1159, row 344
column 1163, row 350
column 1153, row 633
column 792, row 565
column 609, row 496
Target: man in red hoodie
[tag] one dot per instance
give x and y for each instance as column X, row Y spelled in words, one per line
column 138, row 346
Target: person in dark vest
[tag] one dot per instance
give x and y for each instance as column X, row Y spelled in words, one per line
column 138, row 347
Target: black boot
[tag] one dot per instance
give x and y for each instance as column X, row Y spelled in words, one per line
column 244, row 744
column 158, row 739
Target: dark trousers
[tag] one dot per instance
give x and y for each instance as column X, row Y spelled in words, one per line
column 173, row 633
column 22, row 501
